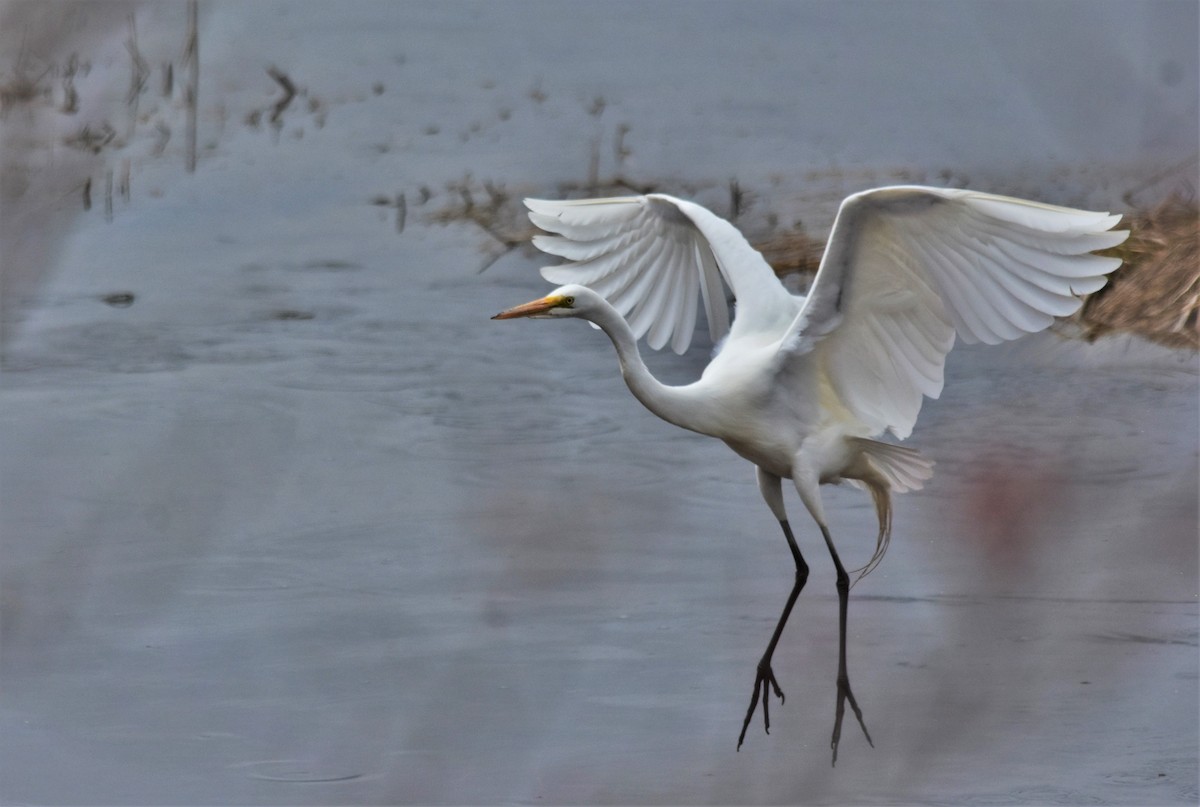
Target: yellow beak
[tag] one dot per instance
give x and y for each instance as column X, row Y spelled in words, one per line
column 534, row 308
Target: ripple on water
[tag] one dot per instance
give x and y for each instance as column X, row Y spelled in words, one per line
column 1028, row 795
column 343, row 557
column 360, row 371
column 249, row 574
column 299, row 771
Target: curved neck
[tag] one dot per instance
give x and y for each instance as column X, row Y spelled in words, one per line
column 672, row 404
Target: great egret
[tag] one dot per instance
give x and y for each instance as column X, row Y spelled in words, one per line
column 803, row 385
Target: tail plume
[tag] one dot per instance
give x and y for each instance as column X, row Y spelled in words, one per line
column 889, row 468
column 882, row 496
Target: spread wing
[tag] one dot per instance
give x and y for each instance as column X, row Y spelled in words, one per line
column 909, row 268
column 649, row 255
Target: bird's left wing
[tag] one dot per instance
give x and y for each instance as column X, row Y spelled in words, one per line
column 908, row 268
column 649, row 255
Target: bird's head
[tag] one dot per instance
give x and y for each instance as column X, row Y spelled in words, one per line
column 565, row 301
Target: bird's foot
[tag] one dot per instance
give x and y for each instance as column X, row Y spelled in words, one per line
column 763, row 683
column 845, row 694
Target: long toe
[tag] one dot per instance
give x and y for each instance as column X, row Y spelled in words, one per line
column 846, row 694
column 764, row 682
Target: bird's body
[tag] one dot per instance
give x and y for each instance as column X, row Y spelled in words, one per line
column 803, row 386
column 765, row 422
column 737, row 401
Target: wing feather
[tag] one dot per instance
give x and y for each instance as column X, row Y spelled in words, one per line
column 662, row 300
column 924, row 356
column 908, row 269
column 912, row 373
column 585, row 219
column 637, row 278
column 649, row 314
column 969, row 311
column 650, row 255
column 716, row 310
column 583, row 251
column 685, row 309
column 992, row 312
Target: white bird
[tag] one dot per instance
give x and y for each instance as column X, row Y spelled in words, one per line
column 802, row 386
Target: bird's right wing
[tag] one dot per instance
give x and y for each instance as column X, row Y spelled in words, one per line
column 908, row 268
column 649, row 255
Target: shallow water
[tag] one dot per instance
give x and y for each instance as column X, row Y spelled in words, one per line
column 301, row 525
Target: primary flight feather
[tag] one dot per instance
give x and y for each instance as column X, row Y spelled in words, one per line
column 802, row 386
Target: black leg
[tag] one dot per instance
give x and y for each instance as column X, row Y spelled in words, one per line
column 843, row 681
column 765, row 679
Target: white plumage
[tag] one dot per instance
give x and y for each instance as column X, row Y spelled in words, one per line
column 914, row 266
column 802, row 385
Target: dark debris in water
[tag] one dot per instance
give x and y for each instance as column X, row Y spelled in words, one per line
column 120, row 299
column 332, row 265
column 87, row 139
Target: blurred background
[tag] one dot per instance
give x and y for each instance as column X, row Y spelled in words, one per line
column 286, row 519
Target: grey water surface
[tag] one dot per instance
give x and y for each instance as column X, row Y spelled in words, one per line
column 286, row 519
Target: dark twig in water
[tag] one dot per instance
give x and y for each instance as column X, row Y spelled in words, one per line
column 498, row 217
column 22, row 88
column 164, row 135
column 87, row 140
column 192, row 59
column 496, row 194
column 124, row 185
column 70, row 103
column 736, row 197
column 108, row 194
column 139, row 73
column 495, row 257
column 289, row 92
column 620, row 150
column 593, row 175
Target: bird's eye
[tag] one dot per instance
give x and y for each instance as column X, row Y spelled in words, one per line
column 570, row 301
